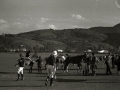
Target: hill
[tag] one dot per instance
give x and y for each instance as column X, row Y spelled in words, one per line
column 112, row 33
column 78, row 39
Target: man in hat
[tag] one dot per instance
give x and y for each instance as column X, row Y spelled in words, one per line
column 20, row 64
column 28, row 55
column 51, row 67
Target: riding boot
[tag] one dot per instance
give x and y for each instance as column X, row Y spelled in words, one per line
column 38, row 71
column 94, row 74
column 51, row 82
column 46, row 82
column 18, row 77
column 29, row 70
column 83, row 72
column 86, row 72
column 22, row 77
column 41, row 70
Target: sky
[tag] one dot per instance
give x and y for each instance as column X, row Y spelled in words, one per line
column 18, row 16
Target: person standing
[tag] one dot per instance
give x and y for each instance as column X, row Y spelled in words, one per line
column 84, row 64
column 20, row 64
column 88, row 63
column 93, row 64
column 31, row 66
column 107, row 62
column 117, row 63
column 113, row 61
column 39, row 64
column 51, row 68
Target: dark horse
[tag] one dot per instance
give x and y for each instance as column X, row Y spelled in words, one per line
column 59, row 61
column 74, row 60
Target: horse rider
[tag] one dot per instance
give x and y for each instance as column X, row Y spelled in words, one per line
column 63, row 59
column 51, row 67
column 65, row 62
column 28, row 55
column 20, row 64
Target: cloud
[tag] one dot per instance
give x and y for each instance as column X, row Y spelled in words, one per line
column 19, row 24
column 78, row 17
column 39, row 26
column 2, row 21
column 44, row 19
column 52, row 26
column 117, row 3
column 4, row 26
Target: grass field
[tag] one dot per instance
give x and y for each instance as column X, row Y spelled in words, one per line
column 64, row 81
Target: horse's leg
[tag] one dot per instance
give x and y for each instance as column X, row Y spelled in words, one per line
column 66, row 67
column 62, row 66
column 45, row 66
column 38, row 69
column 78, row 70
column 57, row 65
column 29, row 69
column 41, row 69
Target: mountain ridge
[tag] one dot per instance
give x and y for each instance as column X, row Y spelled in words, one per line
column 68, row 39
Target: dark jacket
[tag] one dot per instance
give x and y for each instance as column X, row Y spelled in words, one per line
column 21, row 62
column 39, row 61
column 50, row 60
column 93, row 61
column 85, row 59
column 28, row 54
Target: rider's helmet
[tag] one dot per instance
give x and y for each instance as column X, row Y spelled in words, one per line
column 54, row 53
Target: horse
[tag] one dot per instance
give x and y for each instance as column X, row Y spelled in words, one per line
column 60, row 61
column 74, row 60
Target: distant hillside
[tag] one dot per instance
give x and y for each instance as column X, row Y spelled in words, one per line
column 8, row 42
column 78, row 39
column 112, row 33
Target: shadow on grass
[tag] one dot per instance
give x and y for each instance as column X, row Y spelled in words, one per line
column 22, row 86
column 7, row 72
column 84, row 81
column 102, row 82
column 70, row 80
column 68, row 74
